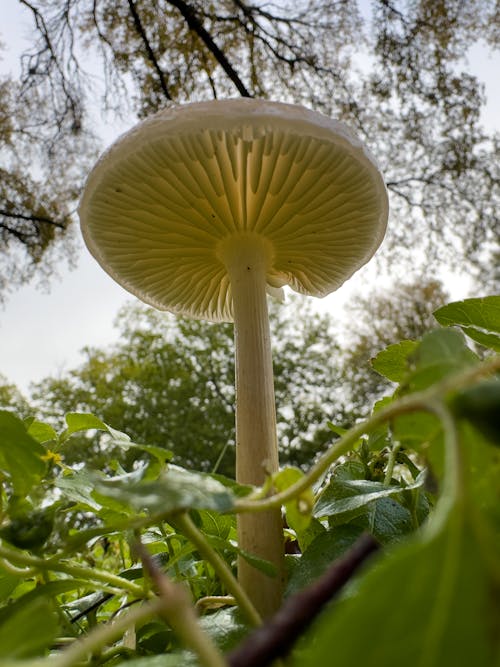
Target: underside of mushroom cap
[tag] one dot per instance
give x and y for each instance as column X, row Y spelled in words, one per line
column 161, row 201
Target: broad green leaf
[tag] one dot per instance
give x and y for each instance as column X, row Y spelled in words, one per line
column 441, row 353
column 80, row 421
column 483, row 468
column 430, row 603
column 21, row 456
column 214, row 524
column 386, row 519
column 347, row 497
column 350, row 469
column 176, row 489
column 28, row 631
column 260, row 564
column 392, row 362
column 225, row 627
column 41, row 431
column 320, row 554
column 79, row 487
column 156, row 452
column 8, row 583
column 417, row 429
column 478, row 318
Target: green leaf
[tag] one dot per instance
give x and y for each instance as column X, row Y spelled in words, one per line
column 392, row 362
column 478, row 318
column 28, row 631
column 78, row 421
column 338, row 430
column 8, row 583
column 320, row 554
column 347, row 497
column 441, row 353
column 81, row 421
column 175, row 490
column 225, row 627
column 154, row 451
column 260, row 564
column 214, row 524
column 386, row 519
column 41, row 431
column 429, row 603
column 79, row 487
column 21, row 456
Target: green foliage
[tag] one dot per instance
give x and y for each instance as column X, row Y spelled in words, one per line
column 170, row 383
column 420, row 474
column 478, row 318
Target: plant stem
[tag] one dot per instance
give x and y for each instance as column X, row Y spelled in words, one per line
column 454, row 488
column 247, row 259
column 118, row 584
column 178, row 611
column 220, row 567
column 390, row 463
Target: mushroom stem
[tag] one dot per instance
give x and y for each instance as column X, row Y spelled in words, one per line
column 247, row 259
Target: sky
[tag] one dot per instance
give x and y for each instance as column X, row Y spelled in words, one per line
column 42, row 333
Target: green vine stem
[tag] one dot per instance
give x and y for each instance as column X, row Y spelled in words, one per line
column 426, row 400
column 454, row 488
column 112, row 582
column 179, row 612
column 221, row 568
column 391, row 461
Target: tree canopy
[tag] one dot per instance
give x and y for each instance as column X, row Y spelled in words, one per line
column 395, row 71
column 169, row 381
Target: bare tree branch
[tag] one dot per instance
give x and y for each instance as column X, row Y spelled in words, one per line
column 29, row 218
column 196, row 26
column 151, row 56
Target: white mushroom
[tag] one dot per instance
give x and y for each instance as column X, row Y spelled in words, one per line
column 201, row 210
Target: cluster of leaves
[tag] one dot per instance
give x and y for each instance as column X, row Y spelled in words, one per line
column 420, row 475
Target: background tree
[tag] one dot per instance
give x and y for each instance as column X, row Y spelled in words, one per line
column 12, row 399
column 394, row 70
column 170, row 382
column 39, row 185
column 380, row 319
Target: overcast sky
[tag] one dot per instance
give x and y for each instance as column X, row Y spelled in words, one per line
column 42, row 334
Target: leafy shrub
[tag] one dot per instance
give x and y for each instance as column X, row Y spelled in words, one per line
column 110, row 566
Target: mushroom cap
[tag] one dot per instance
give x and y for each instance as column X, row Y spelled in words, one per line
column 166, row 195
